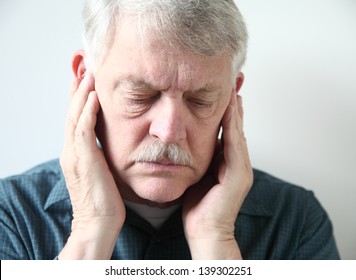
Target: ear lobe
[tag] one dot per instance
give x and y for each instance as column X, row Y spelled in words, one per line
column 78, row 65
column 239, row 81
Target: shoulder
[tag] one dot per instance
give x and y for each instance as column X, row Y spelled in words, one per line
column 286, row 202
column 35, row 183
column 49, row 168
column 35, row 213
column 285, row 220
column 263, row 180
column 276, row 194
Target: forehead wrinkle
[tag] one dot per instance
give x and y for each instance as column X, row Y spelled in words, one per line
column 169, row 72
column 184, row 73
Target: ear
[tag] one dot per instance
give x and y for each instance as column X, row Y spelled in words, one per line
column 239, row 81
column 78, row 66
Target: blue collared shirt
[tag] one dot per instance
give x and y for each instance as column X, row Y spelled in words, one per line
column 277, row 221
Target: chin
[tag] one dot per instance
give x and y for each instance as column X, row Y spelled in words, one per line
column 159, row 190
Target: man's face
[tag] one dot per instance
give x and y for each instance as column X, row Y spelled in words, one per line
column 149, row 94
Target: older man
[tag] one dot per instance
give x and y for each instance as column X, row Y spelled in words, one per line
column 155, row 84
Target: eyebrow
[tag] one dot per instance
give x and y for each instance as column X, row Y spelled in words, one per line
column 135, row 84
column 139, row 84
column 206, row 89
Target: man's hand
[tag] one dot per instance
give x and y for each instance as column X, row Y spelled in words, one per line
column 211, row 208
column 98, row 210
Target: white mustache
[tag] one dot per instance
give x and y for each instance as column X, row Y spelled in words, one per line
column 157, row 151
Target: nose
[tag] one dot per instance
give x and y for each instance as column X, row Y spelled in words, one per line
column 169, row 121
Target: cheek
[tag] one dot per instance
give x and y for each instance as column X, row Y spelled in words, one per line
column 119, row 132
column 118, row 135
column 203, row 140
column 204, row 135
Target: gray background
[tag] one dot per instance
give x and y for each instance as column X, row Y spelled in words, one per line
column 299, row 93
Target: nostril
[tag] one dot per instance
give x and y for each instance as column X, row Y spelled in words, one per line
column 169, row 131
column 168, row 121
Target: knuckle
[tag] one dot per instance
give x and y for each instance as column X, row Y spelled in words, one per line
column 69, row 162
column 71, row 123
column 80, row 134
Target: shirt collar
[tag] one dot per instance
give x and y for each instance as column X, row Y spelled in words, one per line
column 58, row 193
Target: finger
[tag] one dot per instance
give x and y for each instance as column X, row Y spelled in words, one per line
column 74, row 88
column 85, row 137
column 244, row 158
column 236, row 102
column 240, row 107
column 230, row 135
column 235, row 146
column 79, row 95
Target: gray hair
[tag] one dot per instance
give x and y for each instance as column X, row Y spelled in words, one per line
column 204, row 27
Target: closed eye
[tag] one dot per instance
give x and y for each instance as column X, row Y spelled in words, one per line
column 201, row 108
column 139, row 104
column 201, row 104
column 141, row 101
